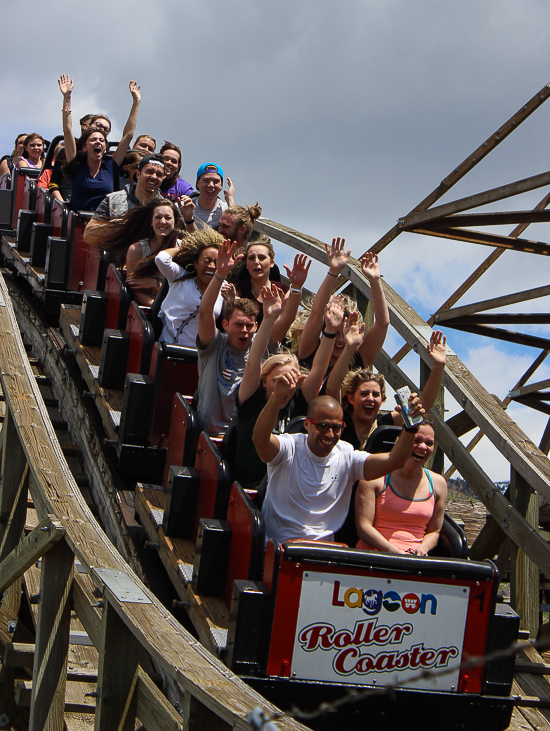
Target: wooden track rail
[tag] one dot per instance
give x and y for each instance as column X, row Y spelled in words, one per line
column 121, row 617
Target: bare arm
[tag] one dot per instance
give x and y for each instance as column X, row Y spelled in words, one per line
column 337, row 260
column 297, row 278
column 207, row 318
column 251, row 377
column 187, row 210
column 229, row 194
column 365, row 511
column 66, row 86
column 334, row 315
column 433, row 529
column 438, row 356
column 130, row 126
column 374, row 339
column 353, row 337
column 266, row 443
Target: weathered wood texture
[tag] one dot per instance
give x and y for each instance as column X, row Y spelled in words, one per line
column 55, row 492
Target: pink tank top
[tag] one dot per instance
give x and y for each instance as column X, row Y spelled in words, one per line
column 401, row 521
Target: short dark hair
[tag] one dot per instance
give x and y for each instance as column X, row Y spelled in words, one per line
column 246, row 306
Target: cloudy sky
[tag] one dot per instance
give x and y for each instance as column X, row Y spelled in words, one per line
column 337, row 118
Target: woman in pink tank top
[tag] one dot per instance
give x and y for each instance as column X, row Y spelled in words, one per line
column 403, row 511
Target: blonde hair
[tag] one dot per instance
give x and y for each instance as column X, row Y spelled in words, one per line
column 280, row 359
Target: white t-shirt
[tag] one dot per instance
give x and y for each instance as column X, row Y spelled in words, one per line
column 308, row 496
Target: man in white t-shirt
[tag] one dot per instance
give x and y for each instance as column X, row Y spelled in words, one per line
column 310, row 476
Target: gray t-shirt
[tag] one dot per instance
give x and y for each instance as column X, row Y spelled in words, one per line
column 221, row 369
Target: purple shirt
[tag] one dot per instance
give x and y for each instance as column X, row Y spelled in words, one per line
column 180, row 187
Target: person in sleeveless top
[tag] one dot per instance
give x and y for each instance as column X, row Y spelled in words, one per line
column 403, row 511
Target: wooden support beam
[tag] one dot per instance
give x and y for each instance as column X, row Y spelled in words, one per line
column 491, row 304
column 531, row 388
column 118, row 663
column 544, row 445
column 470, row 162
column 461, row 423
column 485, row 238
column 497, row 218
column 153, row 709
column 501, row 318
column 52, row 640
column 14, row 489
column 508, row 336
column 488, row 542
column 474, row 201
column 46, row 534
column 524, row 573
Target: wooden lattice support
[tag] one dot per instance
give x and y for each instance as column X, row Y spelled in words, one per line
column 52, row 639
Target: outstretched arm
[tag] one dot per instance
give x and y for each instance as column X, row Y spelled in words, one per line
column 229, row 194
column 337, row 260
column 297, row 278
column 374, row 339
column 353, row 337
column 272, row 305
column 266, row 443
column 66, row 86
column 207, row 318
column 377, row 465
column 334, row 314
column 130, row 126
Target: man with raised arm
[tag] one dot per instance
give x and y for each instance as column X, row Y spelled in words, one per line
column 310, row 476
column 222, row 356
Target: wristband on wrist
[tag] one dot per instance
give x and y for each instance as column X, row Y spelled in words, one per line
column 188, row 223
column 330, row 336
column 330, row 274
column 411, row 429
column 220, row 279
column 295, row 290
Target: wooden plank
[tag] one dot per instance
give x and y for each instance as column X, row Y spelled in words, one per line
column 469, row 163
column 524, row 573
column 508, row 336
column 52, row 639
column 532, row 387
column 153, row 710
column 48, row 532
column 474, row 201
column 501, row 318
column 14, row 488
column 118, row 662
column 490, row 304
column 461, row 423
column 488, row 542
column 485, row 238
column 497, row 218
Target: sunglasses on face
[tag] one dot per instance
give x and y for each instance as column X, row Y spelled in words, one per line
column 324, row 426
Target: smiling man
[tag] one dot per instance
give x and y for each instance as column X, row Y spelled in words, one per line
column 208, row 206
column 310, row 476
column 222, row 356
column 149, row 176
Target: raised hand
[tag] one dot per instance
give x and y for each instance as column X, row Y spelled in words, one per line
column 298, row 275
column 272, row 302
column 436, row 348
column 226, row 262
column 186, row 206
column 353, row 332
column 228, row 291
column 337, row 256
column 415, row 407
column 135, row 91
column 66, row 85
column 229, row 194
column 334, row 314
column 286, row 383
column 369, row 266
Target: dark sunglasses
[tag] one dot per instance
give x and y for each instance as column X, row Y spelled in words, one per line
column 324, row 426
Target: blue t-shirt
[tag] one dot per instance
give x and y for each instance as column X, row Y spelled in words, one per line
column 87, row 191
column 180, row 187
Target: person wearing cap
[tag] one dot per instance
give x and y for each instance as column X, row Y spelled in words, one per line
column 208, row 206
column 149, row 176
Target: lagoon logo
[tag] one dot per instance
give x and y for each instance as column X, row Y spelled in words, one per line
column 371, row 601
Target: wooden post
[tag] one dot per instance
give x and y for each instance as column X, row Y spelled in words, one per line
column 524, row 574
column 13, row 494
column 49, row 675
column 118, row 663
